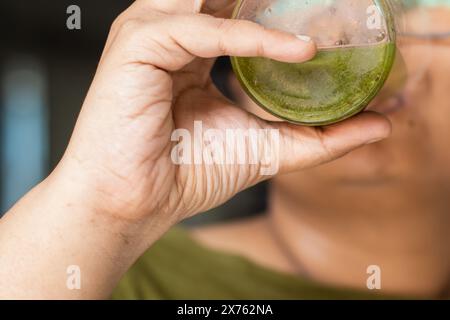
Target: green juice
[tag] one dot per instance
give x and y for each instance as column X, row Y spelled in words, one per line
column 335, row 85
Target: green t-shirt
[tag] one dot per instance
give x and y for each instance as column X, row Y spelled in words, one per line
column 177, row 267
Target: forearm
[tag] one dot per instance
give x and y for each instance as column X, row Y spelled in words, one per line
column 51, row 229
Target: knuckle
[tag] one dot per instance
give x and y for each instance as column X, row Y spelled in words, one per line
column 224, row 26
column 260, row 48
column 262, row 34
column 181, row 20
column 227, row 25
column 136, row 31
column 131, row 25
column 328, row 152
column 230, row 27
column 117, row 21
column 126, row 23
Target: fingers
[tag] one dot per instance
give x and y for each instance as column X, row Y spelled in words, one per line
column 305, row 147
column 171, row 42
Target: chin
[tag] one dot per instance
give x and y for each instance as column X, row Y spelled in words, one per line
column 403, row 157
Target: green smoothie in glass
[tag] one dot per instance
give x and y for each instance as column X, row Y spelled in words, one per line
column 338, row 83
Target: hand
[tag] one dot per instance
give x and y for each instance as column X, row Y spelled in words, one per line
column 154, row 78
column 117, row 188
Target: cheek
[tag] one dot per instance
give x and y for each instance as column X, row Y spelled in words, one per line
column 420, row 144
column 436, row 110
column 425, row 120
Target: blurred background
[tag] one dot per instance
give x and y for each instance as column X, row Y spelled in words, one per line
column 45, row 72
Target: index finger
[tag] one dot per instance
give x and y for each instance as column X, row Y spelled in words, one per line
column 176, row 40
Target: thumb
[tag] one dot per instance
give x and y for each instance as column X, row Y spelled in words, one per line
column 302, row 147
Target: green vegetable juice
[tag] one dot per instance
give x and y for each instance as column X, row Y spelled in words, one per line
column 335, row 85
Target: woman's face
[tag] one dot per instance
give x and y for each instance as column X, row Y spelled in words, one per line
column 419, row 148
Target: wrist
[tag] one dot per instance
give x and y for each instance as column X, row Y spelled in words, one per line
column 109, row 194
column 76, row 193
column 50, row 229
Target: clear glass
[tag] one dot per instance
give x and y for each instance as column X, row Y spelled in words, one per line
column 357, row 49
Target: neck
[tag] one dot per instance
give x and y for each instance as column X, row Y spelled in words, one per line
column 335, row 234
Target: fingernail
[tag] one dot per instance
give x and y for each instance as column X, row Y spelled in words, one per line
column 304, row 38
